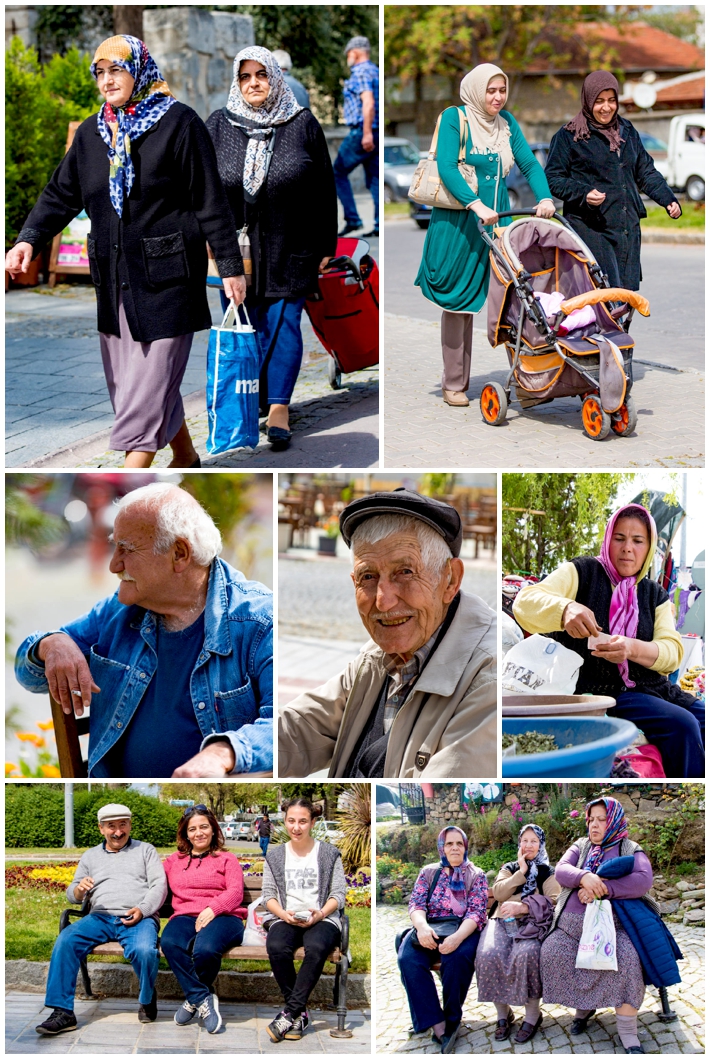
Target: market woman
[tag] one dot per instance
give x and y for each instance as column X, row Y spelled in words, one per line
column 454, row 268
column 447, row 908
column 144, row 170
column 585, row 873
column 611, row 594
column 274, row 164
column 508, row 957
column 598, row 166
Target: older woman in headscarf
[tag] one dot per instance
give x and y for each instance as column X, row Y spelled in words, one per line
column 447, row 908
column 598, row 166
column 577, row 873
column 508, row 958
column 275, row 167
column 610, row 594
column 454, row 269
column 144, row 170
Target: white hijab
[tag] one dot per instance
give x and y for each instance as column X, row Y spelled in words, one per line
column 489, row 135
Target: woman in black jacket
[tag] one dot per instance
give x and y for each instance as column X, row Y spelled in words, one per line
column 274, row 163
column 144, row 170
column 598, row 166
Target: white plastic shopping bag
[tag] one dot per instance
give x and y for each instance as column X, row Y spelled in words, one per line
column 540, row 666
column 254, row 933
column 597, row 946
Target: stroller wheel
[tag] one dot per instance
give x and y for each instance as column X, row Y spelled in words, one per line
column 494, row 404
column 628, row 417
column 334, row 376
column 596, row 422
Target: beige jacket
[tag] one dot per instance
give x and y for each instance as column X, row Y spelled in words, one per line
column 446, row 728
column 506, row 884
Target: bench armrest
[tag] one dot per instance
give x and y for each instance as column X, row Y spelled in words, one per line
column 344, row 933
column 76, row 913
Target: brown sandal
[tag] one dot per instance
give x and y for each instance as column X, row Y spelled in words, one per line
column 527, row 1031
column 503, row 1027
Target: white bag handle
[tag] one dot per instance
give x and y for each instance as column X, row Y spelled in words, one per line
column 238, row 325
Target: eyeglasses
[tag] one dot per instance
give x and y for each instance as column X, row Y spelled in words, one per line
column 196, row 809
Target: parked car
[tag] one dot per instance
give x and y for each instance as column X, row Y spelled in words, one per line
column 401, row 159
column 519, row 191
column 229, row 831
column 685, row 169
column 328, row 831
column 245, row 832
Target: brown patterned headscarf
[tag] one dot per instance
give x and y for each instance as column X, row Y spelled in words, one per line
column 595, row 83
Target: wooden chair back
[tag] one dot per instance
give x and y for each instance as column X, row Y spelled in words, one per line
column 67, row 729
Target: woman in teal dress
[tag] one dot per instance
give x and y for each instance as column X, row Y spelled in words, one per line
column 454, row 269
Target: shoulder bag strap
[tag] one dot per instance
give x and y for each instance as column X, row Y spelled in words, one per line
column 432, row 884
column 463, row 130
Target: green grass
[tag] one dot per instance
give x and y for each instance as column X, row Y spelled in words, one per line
column 32, row 923
column 693, row 217
column 396, row 209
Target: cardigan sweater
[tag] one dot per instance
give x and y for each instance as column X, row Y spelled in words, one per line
column 155, row 254
column 293, row 224
column 331, row 879
column 196, row 883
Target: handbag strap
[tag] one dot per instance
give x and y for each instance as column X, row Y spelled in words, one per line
column 463, row 127
column 238, row 325
column 432, row 885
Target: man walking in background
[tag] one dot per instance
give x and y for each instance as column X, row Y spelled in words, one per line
column 284, row 60
column 264, row 832
column 361, row 146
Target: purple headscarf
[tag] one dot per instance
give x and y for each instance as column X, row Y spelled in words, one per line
column 595, row 83
column 456, row 879
column 616, row 829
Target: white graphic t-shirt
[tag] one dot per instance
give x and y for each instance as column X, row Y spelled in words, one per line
column 302, row 882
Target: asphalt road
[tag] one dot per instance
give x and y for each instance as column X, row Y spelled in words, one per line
column 674, row 283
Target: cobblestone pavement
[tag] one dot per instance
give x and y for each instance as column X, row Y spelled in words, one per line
column 111, row 1026
column 421, row 431
column 394, row 1031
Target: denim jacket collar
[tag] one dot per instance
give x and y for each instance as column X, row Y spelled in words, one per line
column 216, row 609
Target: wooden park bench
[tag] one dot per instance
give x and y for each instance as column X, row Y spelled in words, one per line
column 340, row 956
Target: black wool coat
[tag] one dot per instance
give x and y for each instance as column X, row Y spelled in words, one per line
column 155, row 254
column 611, row 231
column 293, row 224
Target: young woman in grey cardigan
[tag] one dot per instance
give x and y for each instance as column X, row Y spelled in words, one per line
column 303, row 893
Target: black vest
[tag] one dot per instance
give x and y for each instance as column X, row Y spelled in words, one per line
column 544, row 871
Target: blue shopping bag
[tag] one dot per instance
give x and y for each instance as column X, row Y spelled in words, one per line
column 233, row 364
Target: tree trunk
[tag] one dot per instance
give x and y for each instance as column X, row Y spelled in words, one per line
column 128, row 19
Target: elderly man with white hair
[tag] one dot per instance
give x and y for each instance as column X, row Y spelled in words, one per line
column 177, row 665
column 420, row 698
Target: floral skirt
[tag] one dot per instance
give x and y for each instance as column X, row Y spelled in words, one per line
column 507, row 969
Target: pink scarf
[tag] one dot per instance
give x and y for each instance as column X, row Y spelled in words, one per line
column 624, row 608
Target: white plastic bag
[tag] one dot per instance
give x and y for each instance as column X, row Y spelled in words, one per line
column 540, row 666
column 254, row 933
column 597, row 946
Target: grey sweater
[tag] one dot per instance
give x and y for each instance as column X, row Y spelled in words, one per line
column 331, row 878
column 133, row 877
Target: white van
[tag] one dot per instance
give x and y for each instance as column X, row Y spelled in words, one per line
column 684, row 165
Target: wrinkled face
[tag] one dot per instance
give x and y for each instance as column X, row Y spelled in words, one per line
column 496, row 94
column 454, row 848
column 298, row 822
column 597, row 823
column 146, row 578
column 605, row 106
column 199, row 833
column 116, row 833
column 253, row 81
column 401, row 602
column 629, row 545
column 529, row 845
column 115, row 84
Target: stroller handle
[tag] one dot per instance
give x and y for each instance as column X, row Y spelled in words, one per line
column 528, row 212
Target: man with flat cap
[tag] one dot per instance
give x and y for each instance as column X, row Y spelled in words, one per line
column 420, row 698
column 126, row 887
column 361, row 102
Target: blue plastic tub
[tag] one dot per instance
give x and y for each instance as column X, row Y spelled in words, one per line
column 595, row 742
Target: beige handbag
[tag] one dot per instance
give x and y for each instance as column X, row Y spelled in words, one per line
column 427, row 187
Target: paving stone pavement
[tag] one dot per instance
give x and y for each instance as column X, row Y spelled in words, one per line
column 421, row 431
column 111, row 1027
column 394, row 1032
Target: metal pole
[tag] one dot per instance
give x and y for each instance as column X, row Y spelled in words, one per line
column 685, row 521
column 68, row 815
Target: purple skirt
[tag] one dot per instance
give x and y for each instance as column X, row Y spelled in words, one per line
column 507, row 971
column 144, row 381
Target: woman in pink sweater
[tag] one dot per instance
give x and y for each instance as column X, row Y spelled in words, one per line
column 206, row 887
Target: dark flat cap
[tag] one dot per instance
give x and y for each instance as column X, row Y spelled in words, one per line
column 357, row 42
column 440, row 516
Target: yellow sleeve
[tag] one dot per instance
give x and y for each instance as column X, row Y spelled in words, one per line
column 539, row 608
column 670, row 645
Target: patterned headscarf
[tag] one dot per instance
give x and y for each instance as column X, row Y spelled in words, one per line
column 258, row 122
column 624, row 607
column 150, row 100
column 490, row 134
column 541, row 857
column 616, row 829
column 595, row 83
column 456, row 879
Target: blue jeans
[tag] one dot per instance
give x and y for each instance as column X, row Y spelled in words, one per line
column 264, row 845
column 418, row 980
column 350, row 156
column 677, row 731
column 140, row 946
column 277, row 322
column 195, row 957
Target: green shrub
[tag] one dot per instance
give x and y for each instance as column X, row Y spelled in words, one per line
column 686, row 867
column 494, row 858
column 393, row 896
column 482, row 825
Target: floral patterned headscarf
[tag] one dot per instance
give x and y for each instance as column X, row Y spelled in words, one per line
column 150, row 100
column 541, row 857
column 616, row 829
column 456, row 879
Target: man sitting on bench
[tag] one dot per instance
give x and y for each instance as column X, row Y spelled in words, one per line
column 127, row 884
column 177, row 665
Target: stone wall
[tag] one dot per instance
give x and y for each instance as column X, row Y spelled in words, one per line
column 195, row 50
column 445, row 807
column 631, row 796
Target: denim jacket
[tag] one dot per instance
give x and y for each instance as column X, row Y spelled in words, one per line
column 231, row 685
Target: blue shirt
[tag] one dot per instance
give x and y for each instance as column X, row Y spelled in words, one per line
column 364, row 77
column 138, row 752
column 231, row 684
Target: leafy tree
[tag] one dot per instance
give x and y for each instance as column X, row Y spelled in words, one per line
column 683, row 22
column 551, row 518
column 224, row 496
column 60, row 27
column 25, row 522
